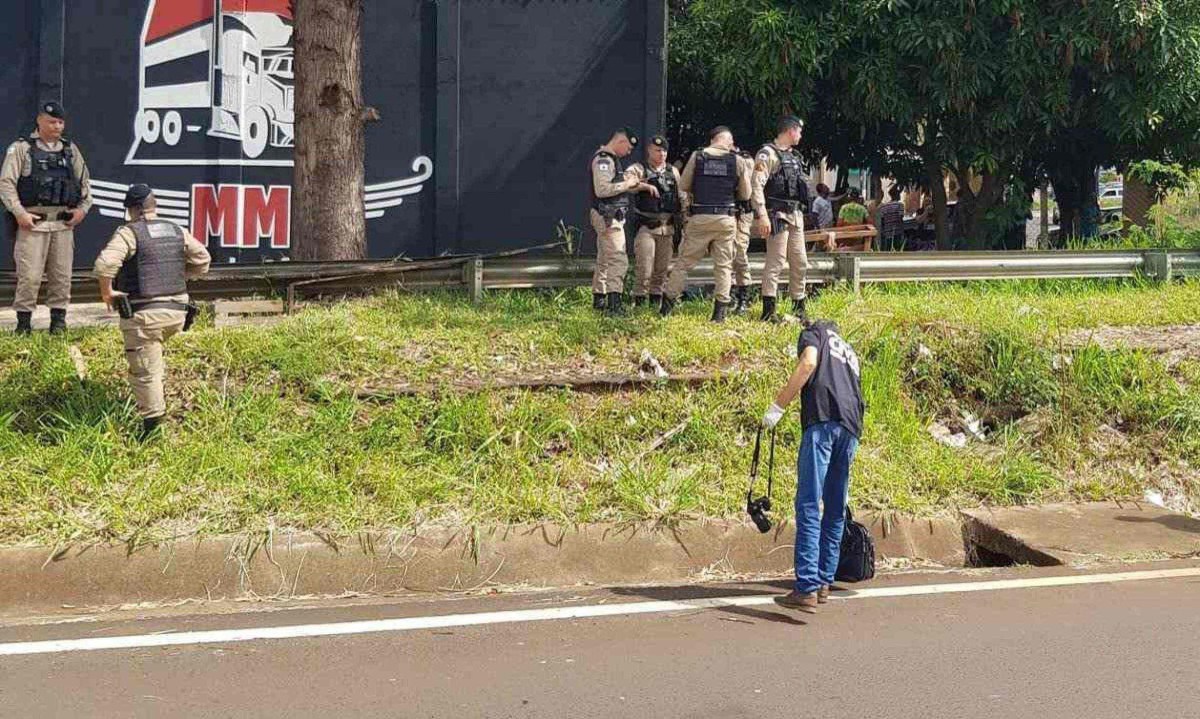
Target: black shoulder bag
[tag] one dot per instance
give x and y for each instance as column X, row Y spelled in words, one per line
column 856, row 560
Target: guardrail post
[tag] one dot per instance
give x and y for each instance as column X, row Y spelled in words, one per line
column 473, row 279
column 1157, row 266
column 848, row 269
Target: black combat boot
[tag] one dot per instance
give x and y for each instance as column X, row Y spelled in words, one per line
column 668, row 306
column 798, row 309
column 599, row 301
column 614, row 308
column 24, row 323
column 768, row 314
column 639, row 300
column 741, row 300
column 150, row 427
column 719, row 310
column 656, row 301
column 58, row 322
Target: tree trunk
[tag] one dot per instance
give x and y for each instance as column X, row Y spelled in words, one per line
column 328, row 216
column 973, row 208
column 937, row 187
column 1074, row 190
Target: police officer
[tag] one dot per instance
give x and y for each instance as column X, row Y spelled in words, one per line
column 610, row 199
column 715, row 180
column 780, row 201
column 44, row 184
column 148, row 261
column 656, row 216
column 741, row 248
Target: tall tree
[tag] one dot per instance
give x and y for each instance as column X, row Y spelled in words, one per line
column 997, row 93
column 328, row 216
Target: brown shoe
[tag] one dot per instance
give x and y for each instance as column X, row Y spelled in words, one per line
column 823, row 595
column 795, row 600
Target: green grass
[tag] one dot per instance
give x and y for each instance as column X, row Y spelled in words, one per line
column 267, row 432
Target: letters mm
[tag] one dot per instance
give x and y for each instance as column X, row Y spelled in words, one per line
column 242, row 215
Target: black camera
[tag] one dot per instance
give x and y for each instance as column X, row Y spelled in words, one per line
column 757, row 509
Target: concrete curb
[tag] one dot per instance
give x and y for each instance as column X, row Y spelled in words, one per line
column 1072, row 534
column 436, row 560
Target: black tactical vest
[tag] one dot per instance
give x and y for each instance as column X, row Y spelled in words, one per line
column 609, row 207
column 159, row 264
column 667, row 203
column 714, row 184
column 52, row 181
column 786, row 189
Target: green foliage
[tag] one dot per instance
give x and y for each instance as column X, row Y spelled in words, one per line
column 1162, row 177
column 1011, row 90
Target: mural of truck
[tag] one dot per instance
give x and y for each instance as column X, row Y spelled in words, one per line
column 215, row 68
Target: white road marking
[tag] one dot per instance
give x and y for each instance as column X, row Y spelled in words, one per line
column 408, row 624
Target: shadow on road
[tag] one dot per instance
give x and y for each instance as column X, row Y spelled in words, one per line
column 686, row 594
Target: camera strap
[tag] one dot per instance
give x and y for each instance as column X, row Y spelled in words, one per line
column 754, row 464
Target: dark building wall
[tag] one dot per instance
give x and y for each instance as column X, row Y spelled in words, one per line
column 491, row 109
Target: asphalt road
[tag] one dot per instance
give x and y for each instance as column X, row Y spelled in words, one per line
column 1098, row 650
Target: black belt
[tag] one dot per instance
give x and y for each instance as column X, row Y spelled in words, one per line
column 159, row 305
column 654, row 224
column 61, row 217
column 713, row 210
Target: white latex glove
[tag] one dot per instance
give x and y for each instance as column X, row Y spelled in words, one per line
column 772, row 417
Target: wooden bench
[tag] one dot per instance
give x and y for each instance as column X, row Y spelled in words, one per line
column 851, row 238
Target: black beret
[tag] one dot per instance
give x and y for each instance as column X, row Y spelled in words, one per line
column 53, row 109
column 137, row 194
column 659, row 141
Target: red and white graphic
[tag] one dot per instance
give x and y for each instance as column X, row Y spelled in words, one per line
column 215, row 69
column 216, row 87
column 249, row 217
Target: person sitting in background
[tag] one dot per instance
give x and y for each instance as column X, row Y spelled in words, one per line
column 891, row 222
column 823, row 208
column 852, row 212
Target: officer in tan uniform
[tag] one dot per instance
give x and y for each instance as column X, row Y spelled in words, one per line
column 715, row 181
column 143, row 272
column 741, row 248
column 780, row 201
column 656, row 217
column 44, row 184
column 610, row 200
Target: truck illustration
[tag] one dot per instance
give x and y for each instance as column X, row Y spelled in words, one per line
column 218, row 69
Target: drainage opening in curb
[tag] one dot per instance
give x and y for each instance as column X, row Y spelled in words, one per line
column 980, row 557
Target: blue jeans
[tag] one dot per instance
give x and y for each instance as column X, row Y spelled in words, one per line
column 822, row 473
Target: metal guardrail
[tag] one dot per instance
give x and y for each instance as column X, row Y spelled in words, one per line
column 477, row 275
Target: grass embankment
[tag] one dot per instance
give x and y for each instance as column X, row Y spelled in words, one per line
column 267, row 431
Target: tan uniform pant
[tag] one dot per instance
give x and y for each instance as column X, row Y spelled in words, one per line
column 43, row 253
column 652, row 251
column 612, row 258
column 786, row 247
column 144, row 336
column 705, row 235
column 741, row 251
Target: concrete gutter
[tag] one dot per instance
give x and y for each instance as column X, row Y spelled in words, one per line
column 1075, row 534
column 283, row 565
